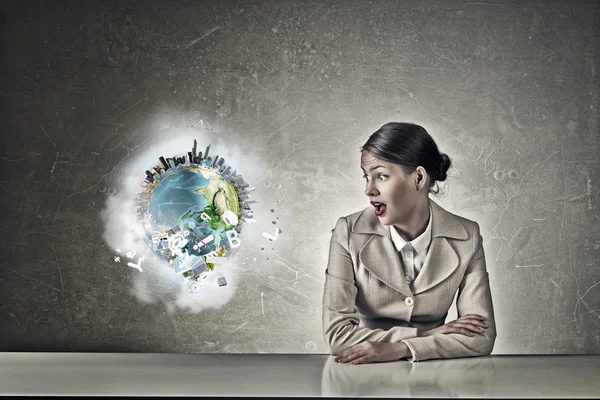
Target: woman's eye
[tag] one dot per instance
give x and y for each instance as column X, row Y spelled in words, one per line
column 366, row 177
column 382, row 178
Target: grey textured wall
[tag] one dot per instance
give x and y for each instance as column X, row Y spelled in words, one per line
column 287, row 91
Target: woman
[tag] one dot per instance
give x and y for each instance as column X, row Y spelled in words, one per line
column 395, row 266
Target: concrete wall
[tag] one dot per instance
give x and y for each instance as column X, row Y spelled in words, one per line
column 287, row 91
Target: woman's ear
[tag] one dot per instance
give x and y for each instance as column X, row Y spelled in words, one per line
column 421, row 176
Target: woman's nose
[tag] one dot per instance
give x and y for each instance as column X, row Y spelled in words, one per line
column 370, row 190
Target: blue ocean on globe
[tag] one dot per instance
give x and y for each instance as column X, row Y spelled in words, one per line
column 174, row 196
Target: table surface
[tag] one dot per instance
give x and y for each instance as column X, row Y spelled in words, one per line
column 295, row 375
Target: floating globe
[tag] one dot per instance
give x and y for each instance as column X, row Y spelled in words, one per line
column 191, row 214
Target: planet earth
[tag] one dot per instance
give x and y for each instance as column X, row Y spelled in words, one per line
column 190, row 212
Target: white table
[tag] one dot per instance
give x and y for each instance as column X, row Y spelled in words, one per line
column 295, row 375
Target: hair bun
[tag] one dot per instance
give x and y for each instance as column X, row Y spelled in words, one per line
column 443, row 166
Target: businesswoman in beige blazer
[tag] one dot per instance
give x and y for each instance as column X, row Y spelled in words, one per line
column 395, row 267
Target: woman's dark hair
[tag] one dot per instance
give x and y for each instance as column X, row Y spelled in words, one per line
column 410, row 146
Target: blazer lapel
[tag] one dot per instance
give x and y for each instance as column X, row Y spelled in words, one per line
column 440, row 263
column 382, row 259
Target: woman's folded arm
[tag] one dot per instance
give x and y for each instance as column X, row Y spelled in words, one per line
column 474, row 297
column 340, row 316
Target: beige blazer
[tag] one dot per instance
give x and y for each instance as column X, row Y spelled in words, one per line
column 366, row 295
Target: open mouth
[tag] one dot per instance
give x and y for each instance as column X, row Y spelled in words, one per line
column 379, row 208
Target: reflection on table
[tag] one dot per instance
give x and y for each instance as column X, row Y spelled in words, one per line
column 464, row 377
column 558, row 376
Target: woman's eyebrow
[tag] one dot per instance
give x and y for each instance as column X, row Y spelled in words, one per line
column 372, row 168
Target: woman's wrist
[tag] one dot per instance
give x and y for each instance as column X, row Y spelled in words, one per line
column 403, row 351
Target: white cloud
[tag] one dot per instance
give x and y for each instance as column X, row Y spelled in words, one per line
column 158, row 282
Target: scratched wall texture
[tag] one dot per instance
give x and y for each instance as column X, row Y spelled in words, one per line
column 509, row 89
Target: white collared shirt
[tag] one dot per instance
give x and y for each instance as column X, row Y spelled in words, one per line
column 412, row 263
column 412, row 253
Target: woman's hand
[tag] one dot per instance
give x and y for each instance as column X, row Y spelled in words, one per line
column 369, row 352
column 468, row 325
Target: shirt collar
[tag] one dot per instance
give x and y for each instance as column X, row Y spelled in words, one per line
column 419, row 243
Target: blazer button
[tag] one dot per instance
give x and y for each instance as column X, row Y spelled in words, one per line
column 409, row 301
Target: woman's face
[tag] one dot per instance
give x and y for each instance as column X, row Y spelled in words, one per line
column 392, row 192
